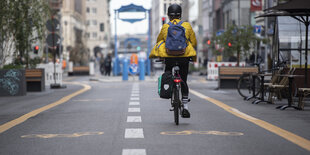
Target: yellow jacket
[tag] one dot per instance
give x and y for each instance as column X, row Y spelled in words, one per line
column 159, row 50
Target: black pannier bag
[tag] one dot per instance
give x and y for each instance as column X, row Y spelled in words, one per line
column 165, row 85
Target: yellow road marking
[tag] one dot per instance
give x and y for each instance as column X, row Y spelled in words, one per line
column 189, row 132
column 300, row 141
column 33, row 113
column 78, row 134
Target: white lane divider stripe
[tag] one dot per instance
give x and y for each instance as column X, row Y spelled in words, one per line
column 135, row 95
column 134, row 103
column 133, row 109
column 135, row 98
column 134, row 152
column 134, row 133
column 131, row 119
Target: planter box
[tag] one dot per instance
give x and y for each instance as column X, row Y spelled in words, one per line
column 12, row 82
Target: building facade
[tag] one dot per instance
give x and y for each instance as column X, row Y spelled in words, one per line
column 73, row 26
column 98, row 31
column 159, row 15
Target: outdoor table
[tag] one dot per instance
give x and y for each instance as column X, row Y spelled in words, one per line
column 262, row 99
column 290, row 98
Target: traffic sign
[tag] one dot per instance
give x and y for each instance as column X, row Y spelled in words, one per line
column 53, row 40
column 53, row 25
column 257, row 28
column 133, row 69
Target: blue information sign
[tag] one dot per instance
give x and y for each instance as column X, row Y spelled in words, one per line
column 133, row 69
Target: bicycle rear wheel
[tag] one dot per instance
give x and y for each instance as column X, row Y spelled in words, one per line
column 245, row 84
column 176, row 104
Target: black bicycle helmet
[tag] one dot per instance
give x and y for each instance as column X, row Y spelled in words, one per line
column 174, row 10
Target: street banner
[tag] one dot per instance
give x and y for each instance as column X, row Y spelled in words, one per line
column 256, row 5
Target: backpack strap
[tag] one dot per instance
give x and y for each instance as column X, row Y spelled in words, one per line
column 180, row 23
column 160, row 44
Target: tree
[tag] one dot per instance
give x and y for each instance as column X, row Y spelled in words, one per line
column 238, row 40
column 21, row 24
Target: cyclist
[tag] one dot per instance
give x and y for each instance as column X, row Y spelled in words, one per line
column 174, row 14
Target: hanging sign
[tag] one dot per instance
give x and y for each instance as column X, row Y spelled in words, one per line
column 256, row 5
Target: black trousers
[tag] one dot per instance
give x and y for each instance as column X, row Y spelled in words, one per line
column 183, row 64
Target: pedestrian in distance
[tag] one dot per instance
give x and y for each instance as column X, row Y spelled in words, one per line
column 101, row 64
column 108, row 65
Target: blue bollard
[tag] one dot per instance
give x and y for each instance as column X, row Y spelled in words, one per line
column 142, row 69
column 125, row 69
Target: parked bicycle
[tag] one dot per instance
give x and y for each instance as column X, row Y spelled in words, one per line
column 249, row 84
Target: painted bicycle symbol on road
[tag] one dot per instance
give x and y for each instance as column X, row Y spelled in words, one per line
column 190, row 132
column 78, row 134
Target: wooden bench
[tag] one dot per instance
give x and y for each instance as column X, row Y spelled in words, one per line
column 35, row 79
column 80, row 70
column 229, row 76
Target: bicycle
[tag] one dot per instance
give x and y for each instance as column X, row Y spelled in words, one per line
column 249, row 84
column 176, row 101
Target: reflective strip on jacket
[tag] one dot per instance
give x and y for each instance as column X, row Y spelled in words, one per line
column 159, row 50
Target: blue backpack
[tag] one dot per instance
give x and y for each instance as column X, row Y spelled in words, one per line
column 176, row 40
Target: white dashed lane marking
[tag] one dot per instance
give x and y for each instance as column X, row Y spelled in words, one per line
column 134, row 103
column 134, row 133
column 134, row 98
column 134, row 119
column 133, row 109
column 134, row 152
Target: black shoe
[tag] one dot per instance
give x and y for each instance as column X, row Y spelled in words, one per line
column 185, row 113
column 171, row 109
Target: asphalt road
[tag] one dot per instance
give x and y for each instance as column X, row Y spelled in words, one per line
column 113, row 117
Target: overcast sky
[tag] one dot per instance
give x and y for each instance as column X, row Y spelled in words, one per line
column 126, row 27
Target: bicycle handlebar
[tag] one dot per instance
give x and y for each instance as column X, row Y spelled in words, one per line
column 163, row 59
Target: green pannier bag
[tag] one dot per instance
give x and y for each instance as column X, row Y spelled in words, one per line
column 165, row 85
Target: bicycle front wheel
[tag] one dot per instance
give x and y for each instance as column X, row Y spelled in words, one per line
column 245, row 85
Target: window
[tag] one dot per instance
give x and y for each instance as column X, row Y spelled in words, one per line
column 94, row 22
column 87, row 22
column 87, row 9
column 94, row 35
column 94, row 10
column 101, row 27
